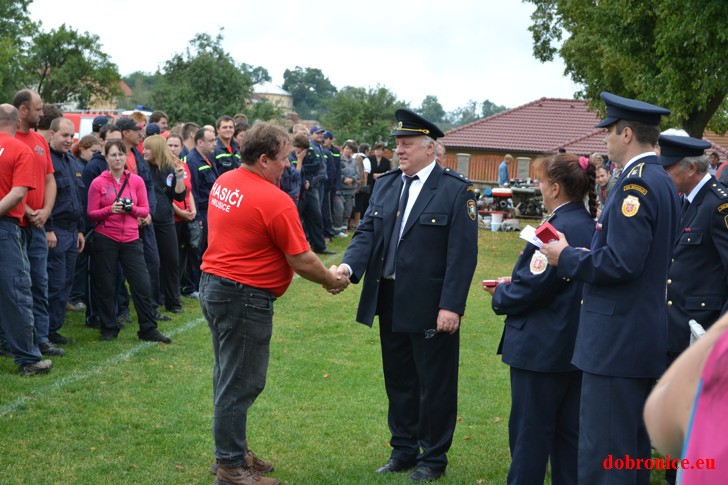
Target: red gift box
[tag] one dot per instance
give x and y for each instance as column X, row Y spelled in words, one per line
column 547, row 233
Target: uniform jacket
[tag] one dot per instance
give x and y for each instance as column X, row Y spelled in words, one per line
column 542, row 307
column 68, row 210
column 145, row 173
column 623, row 323
column 697, row 285
column 436, row 256
column 225, row 160
column 203, row 178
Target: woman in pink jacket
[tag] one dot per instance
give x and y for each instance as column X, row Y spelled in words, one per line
column 116, row 199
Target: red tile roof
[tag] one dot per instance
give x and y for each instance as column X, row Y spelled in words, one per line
column 538, row 127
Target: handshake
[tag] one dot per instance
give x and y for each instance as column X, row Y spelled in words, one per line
column 337, row 280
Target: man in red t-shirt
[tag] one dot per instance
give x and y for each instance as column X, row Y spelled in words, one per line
column 17, row 176
column 256, row 242
column 38, row 207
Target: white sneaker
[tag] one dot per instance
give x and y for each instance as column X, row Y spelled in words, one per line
column 342, row 234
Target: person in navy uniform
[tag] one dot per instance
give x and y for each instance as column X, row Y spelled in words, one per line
column 418, row 246
column 621, row 342
column 542, row 317
column 697, row 285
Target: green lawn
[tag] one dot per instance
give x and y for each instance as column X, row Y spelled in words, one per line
column 130, row 412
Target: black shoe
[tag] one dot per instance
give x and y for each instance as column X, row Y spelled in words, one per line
column 93, row 323
column 425, row 474
column 325, row 251
column 59, row 339
column 162, row 318
column 107, row 337
column 49, row 349
column 395, row 466
column 123, row 318
column 155, row 336
column 175, row 310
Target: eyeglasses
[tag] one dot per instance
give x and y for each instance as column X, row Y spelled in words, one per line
column 116, row 155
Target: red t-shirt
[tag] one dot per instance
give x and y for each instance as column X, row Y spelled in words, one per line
column 43, row 166
column 131, row 164
column 252, row 225
column 17, row 169
column 184, row 205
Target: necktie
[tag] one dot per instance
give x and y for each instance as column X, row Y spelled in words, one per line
column 685, row 205
column 391, row 256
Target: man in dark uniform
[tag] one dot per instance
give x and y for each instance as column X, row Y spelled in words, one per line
column 421, row 225
column 697, row 285
column 64, row 227
column 621, row 341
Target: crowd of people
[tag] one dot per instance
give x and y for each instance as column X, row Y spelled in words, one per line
column 593, row 316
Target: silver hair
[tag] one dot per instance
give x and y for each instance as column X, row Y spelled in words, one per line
column 429, row 140
column 701, row 164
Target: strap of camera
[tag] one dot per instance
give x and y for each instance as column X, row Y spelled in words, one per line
column 123, row 186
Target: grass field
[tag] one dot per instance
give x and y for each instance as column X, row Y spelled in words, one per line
column 126, row 412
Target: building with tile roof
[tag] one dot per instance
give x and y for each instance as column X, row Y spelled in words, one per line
column 526, row 132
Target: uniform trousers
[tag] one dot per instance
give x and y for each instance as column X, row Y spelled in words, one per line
column 309, row 207
column 166, row 236
column 420, row 377
column 61, row 269
column 36, row 245
column 16, row 302
column 544, row 422
column 611, row 423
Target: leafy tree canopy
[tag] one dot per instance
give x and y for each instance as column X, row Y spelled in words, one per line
column 364, row 115
column 667, row 52
column 15, row 28
column 310, row 89
column 431, row 109
column 202, row 84
column 64, row 66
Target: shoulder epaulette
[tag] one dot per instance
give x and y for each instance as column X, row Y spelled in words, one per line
column 636, row 171
column 457, row 175
column 718, row 189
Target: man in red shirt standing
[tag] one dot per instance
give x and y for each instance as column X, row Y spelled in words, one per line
column 16, row 318
column 38, row 207
column 256, row 242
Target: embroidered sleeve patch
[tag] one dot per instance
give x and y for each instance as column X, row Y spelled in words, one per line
column 538, row 263
column 722, row 207
column 630, row 206
column 472, row 209
column 636, row 187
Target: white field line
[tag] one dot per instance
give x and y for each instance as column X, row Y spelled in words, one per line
column 80, row 376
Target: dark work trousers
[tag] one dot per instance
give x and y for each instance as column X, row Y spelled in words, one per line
column 611, row 423
column 80, row 278
column 544, row 423
column 61, row 268
column 151, row 256
column 421, row 380
column 309, row 208
column 325, row 197
column 189, row 271
column 107, row 254
column 168, row 264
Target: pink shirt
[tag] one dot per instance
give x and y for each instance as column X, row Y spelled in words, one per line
column 121, row 227
column 708, row 429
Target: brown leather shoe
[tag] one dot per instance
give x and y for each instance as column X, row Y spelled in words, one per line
column 241, row 476
column 251, row 461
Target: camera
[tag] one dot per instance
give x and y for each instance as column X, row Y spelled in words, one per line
column 126, row 204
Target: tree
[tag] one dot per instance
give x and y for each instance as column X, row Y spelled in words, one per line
column 362, row 115
column 143, row 85
column 202, row 84
column 310, row 89
column 431, row 109
column 15, row 25
column 489, row 108
column 666, row 52
column 464, row 115
column 65, row 66
column 256, row 74
column 263, row 110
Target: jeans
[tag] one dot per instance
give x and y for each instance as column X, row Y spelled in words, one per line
column 61, row 269
column 16, row 302
column 36, row 245
column 241, row 322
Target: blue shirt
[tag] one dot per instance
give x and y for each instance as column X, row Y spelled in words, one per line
column 503, row 173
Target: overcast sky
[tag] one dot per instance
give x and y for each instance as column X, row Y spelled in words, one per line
column 456, row 50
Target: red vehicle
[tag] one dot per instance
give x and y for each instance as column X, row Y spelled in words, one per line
column 82, row 121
